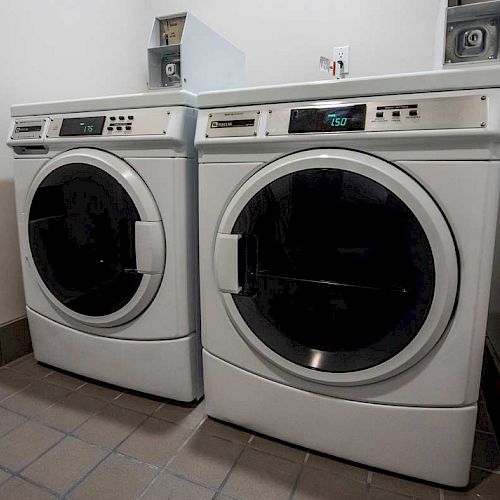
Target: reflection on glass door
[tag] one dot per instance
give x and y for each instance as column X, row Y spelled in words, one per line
column 82, row 239
column 337, row 274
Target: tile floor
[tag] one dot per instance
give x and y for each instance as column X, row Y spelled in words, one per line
column 66, row 437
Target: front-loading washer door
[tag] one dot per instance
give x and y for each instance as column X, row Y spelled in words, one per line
column 96, row 240
column 336, row 266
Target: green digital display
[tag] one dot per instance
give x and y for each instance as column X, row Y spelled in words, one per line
column 88, row 125
column 335, row 119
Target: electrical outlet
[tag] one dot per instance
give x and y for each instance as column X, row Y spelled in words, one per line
column 342, row 54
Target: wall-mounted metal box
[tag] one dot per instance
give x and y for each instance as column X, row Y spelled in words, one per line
column 185, row 53
column 472, row 33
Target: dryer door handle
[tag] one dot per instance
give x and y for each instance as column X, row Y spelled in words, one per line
column 226, row 262
column 149, row 247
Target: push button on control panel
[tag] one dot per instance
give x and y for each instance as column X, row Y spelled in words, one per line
column 379, row 114
column 130, row 117
column 396, row 113
column 128, row 127
column 413, row 112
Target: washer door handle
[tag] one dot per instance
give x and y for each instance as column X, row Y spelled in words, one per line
column 149, row 247
column 226, row 262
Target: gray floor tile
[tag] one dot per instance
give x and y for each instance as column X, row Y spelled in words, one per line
column 72, row 411
column 485, row 453
column 11, row 382
column 318, row 485
column 3, row 476
column 141, row 404
column 9, row 420
column 225, row 431
column 20, row 361
column 62, row 466
column 167, row 486
column 405, row 486
column 71, row 382
column 155, row 441
column 333, row 466
column 278, row 449
column 35, row 398
column 206, row 459
column 25, row 443
column 109, row 427
column 100, row 391
column 188, row 417
column 31, row 368
column 117, row 477
column 378, row 494
column 484, row 486
column 259, row 476
column 18, row 489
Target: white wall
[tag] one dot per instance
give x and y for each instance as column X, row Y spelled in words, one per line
column 53, row 50
column 58, row 49
column 283, row 39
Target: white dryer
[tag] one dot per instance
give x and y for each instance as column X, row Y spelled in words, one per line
column 106, row 202
column 346, row 244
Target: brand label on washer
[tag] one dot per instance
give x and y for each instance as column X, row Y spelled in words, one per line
column 237, row 124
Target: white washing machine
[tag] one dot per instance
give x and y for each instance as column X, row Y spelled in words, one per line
column 106, row 202
column 346, row 244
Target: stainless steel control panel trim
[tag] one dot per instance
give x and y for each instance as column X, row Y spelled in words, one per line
column 433, row 113
column 123, row 122
column 31, row 128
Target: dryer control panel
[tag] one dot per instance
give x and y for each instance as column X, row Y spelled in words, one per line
column 149, row 121
column 359, row 115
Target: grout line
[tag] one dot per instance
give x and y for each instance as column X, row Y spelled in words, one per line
column 171, row 459
column 110, row 452
column 299, row 475
column 229, row 472
column 484, row 432
column 34, row 483
column 19, row 474
column 69, row 434
column 369, row 479
column 484, row 469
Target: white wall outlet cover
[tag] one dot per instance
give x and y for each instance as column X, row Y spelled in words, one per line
column 342, row 54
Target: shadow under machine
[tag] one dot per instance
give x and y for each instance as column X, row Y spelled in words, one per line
column 347, row 236
column 106, row 202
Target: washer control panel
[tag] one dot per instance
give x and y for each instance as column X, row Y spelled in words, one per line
column 133, row 122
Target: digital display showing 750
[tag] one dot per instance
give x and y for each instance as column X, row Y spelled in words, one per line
column 338, row 119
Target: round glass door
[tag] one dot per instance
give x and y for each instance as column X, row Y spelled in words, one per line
column 81, row 234
column 341, row 275
column 336, row 272
column 83, row 212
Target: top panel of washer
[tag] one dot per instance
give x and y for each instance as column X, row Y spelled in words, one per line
column 154, row 99
column 442, row 80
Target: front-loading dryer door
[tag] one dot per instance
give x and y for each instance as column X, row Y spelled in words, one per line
column 336, row 266
column 96, row 240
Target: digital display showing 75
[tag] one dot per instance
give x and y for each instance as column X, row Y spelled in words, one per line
column 88, row 125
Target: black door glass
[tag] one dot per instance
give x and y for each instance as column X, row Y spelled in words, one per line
column 82, row 233
column 337, row 274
